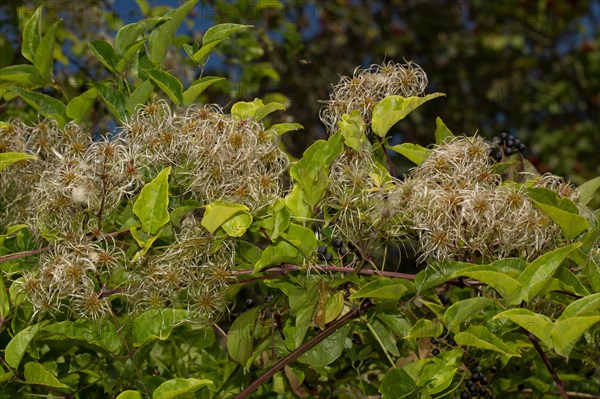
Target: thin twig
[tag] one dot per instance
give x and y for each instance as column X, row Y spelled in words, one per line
column 546, row 361
column 303, row 348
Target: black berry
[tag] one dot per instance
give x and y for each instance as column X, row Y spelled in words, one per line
column 520, row 387
column 435, row 352
column 508, row 150
column 475, row 377
column 482, row 391
column 248, row 304
column 328, row 257
column 444, row 299
column 321, row 249
column 503, row 135
column 484, row 380
column 343, row 251
column 493, row 369
column 337, row 242
column 465, row 395
column 451, row 342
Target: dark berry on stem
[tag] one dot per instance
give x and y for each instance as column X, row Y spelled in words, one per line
column 493, row 369
column 465, row 395
column 435, row 352
column 508, row 150
column 337, row 242
column 482, row 391
column 475, row 377
column 321, row 249
column 451, row 342
column 444, row 299
column 343, row 251
column 328, row 257
column 248, row 303
column 503, row 135
column 520, row 387
column 473, row 390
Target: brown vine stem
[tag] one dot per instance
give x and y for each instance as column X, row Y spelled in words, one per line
column 540, row 351
column 25, row 254
column 304, row 347
column 326, row 268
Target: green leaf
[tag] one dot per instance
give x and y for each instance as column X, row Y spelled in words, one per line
column 214, row 36
column 78, row 106
column 586, row 304
column 156, row 324
column 588, row 189
column 145, row 241
column 160, row 39
column 397, row 384
column 326, row 351
column 4, row 301
column 414, row 152
column 441, row 131
column 15, row 349
column 537, row 324
column 241, row 336
column 32, row 35
column 98, row 334
column 35, row 373
column 384, row 336
column 196, row 88
column 302, row 238
column 139, row 96
column 398, row 324
column 562, row 211
column 504, row 284
column 21, row 74
column 128, row 34
column 106, row 54
column 295, row 202
column 44, row 104
column 129, row 395
column 114, row 100
column 218, row 212
column 463, row 310
column 178, row 386
column 44, row 54
column 352, row 127
column 425, row 328
column 501, row 167
column 541, row 269
column 312, row 171
column 8, row 158
column 282, row 128
column 383, row 288
column 151, row 207
column 481, row 337
column 167, row 83
column 237, row 225
column 437, row 373
column 566, row 332
column 129, row 55
column 392, row 109
column 278, row 253
column 281, row 218
column 256, row 109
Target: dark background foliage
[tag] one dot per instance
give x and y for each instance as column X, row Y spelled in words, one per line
column 531, row 68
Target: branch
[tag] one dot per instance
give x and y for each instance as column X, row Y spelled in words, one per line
column 540, row 352
column 304, row 347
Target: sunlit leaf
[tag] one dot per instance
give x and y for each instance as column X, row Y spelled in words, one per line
column 114, row 100
column 129, row 34
column 326, row 351
column 214, row 36
column 481, row 337
column 168, row 84
column 352, row 127
column 464, row 310
column 586, row 304
column 78, row 106
column 197, row 88
column 178, row 386
column 397, row 384
column 44, row 54
column 15, row 349
column 45, row 105
column 139, row 96
column 567, row 331
column 392, row 109
column 161, row 38
column 256, row 109
column 106, row 54
column 537, row 324
column 8, row 158
column 588, row 189
column 414, row 152
column 100, row 334
column 32, row 35
column 151, row 207
column 218, row 212
column 442, row 133
column 35, row 373
column 156, row 324
column 383, row 288
column 282, row 128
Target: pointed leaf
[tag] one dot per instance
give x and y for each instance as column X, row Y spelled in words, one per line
column 15, row 349
column 441, row 131
column 139, row 96
column 571, row 224
column 397, row 384
column 241, row 335
column 352, row 127
column 44, row 54
column 78, row 106
column 129, row 395
column 256, row 109
column 302, row 238
column 44, row 104
column 326, row 351
column 537, row 324
column 281, row 218
column 151, row 207
column 167, row 83
column 481, row 337
column 382, row 288
column 35, row 373
column 178, row 386
column 566, row 332
column 129, row 34
column 21, row 74
column 586, row 304
column 214, row 36
column 106, row 54
column 281, row 128
column 278, row 253
column 541, row 269
column 155, row 325
column 504, row 284
column 463, row 310
column 100, row 334
column 131, row 54
column 32, row 35
column 114, row 100
column 392, row 109
column 588, row 189
column 196, row 88
column 161, row 38
column 8, row 158
column 414, row 152
column 425, row 328
column 219, row 212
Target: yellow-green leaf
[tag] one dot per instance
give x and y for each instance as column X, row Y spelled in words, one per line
column 178, row 386
column 218, row 212
column 392, row 109
column 151, row 207
column 8, row 158
column 35, row 373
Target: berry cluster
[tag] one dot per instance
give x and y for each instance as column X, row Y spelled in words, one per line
column 478, row 384
column 507, row 145
column 338, row 244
